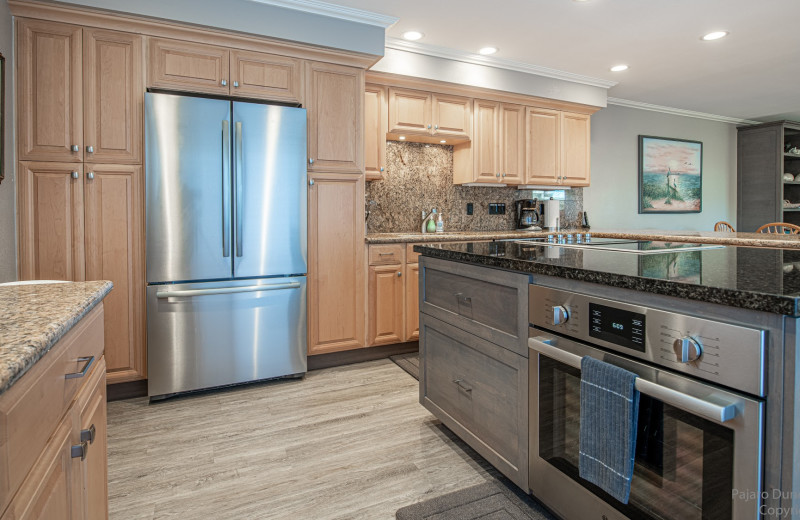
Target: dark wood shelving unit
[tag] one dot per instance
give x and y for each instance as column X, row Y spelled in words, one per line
column 761, row 162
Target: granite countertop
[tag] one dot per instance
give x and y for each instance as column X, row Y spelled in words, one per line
column 34, row 317
column 759, row 279
column 706, row 237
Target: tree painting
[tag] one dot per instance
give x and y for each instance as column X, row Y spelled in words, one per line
column 670, row 175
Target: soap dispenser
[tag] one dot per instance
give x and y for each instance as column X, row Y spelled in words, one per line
column 430, row 227
column 440, row 224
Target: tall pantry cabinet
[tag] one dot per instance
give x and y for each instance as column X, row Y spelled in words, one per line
column 80, row 180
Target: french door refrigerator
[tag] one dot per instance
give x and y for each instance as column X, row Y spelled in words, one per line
column 226, row 242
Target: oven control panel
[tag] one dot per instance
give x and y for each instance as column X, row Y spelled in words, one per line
column 720, row 352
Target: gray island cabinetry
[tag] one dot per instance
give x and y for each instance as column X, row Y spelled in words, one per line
column 473, row 358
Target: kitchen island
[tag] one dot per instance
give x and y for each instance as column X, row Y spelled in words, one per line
column 502, row 322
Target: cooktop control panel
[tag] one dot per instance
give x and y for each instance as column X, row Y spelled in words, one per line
column 715, row 351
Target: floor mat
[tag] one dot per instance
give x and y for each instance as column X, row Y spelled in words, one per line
column 408, row 362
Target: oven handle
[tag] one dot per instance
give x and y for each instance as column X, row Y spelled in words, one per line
column 713, row 412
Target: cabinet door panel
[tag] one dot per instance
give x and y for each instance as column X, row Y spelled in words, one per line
column 543, row 149
column 485, row 142
column 409, row 111
column 114, row 246
column 113, row 94
column 50, row 106
column 266, row 76
column 335, row 103
column 576, row 146
column 375, row 128
column 452, row 115
column 336, row 261
column 412, row 302
column 91, row 410
column 512, row 144
column 188, row 66
column 385, row 304
column 50, row 204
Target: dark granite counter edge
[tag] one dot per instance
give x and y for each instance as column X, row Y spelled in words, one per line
column 51, row 335
column 785, row 305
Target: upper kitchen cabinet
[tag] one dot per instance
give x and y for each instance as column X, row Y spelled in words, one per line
column 419, row 113
column 335, row 103
column 496, row 153
column 113, row 93
column 558, row 148
column 376, row 113
column 266, row 76
column 49, row 91
column 180, row 65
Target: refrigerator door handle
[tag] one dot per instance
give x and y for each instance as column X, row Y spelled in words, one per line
column 238, row 195
column 228, row 290
column 226, row 189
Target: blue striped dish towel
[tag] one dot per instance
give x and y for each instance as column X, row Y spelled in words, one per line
column 609, row 413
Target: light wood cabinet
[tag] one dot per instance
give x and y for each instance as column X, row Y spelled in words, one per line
column 182, row 65
column 53, row 455
column 51, row 229
column 113, row 91
column 376, row 113
column 335, row 104
column 558, row 148
column 386, row 304
column 114, row 244
column 336, row 263
column 496, row 154
column 266, row 76
column 49, row 92
column 512, row 144
column 412, row 302
column 485, row 149
column 415, row 112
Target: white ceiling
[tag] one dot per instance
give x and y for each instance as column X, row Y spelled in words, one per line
column 754, row 73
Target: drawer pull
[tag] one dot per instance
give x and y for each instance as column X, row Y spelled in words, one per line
column 89, row 362
column 385, row 254
column 462, row 385
column 466, row 300
column 88, row 435
column 80, row 450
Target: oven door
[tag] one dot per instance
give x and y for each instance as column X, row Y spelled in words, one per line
column 698, row 449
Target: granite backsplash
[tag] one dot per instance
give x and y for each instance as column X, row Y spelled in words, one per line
column 420, row 177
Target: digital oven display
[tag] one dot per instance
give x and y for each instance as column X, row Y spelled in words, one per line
column 623, row 328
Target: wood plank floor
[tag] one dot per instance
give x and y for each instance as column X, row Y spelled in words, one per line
column 345, row 442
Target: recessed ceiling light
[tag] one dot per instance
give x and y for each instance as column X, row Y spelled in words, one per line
column 442, row 141
column 402, row 138
column 580, row 1
column 716, row 35
column 619, row 68
column 487, row 50
column 412, row 35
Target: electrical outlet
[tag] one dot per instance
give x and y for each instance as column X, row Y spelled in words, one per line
column 470, row 208
column 497, row 208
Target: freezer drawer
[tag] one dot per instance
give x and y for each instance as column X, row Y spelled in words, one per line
column 205, row 335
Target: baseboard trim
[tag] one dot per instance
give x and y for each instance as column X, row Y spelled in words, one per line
column 349, row 357
column 128, row 390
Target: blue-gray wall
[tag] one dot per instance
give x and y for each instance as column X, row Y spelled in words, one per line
column 612, row 199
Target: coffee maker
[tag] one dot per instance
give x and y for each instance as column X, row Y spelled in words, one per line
column 529, row 214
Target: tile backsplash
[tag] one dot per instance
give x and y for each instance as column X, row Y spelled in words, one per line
column 420, row 177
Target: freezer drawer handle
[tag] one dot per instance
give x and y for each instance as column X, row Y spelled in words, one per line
column 228, row 290
column 713, row 412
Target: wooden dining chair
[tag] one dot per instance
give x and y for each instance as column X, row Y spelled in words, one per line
column 779, row 228
column 724, row 226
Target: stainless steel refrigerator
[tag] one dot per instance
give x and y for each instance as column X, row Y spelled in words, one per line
column 226, row 242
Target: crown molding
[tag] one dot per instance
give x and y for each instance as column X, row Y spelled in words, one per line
column 490, row 61
column 335, row 11
column 679, row 112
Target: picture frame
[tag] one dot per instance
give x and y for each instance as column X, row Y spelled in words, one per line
column 2, row 117
column 670, row 175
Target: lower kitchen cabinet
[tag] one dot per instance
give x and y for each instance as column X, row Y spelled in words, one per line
column 480, row 391
column 412, row 302
column 386, row 299
column 336, row 291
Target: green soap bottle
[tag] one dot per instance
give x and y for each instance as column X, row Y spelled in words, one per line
column 431, row 226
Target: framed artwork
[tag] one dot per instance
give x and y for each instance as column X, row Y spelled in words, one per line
column 670, row 175
column 2, row 115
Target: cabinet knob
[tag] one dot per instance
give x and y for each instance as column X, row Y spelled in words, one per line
column 399, row 273
column 497, row 175
column 436, row 127
column 310, row 160
column 310, row 182
column 75, row 148
column 429, row 127
column 235, row 84
column 80, row 450
column 224, row 82
column 90, row 176
column 88, row 435
column 381, row 168
column 90, row 149
column 74, row 175
column 504, row 175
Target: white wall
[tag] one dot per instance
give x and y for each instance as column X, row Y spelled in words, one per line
column 8, row 248
column 612, row 200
